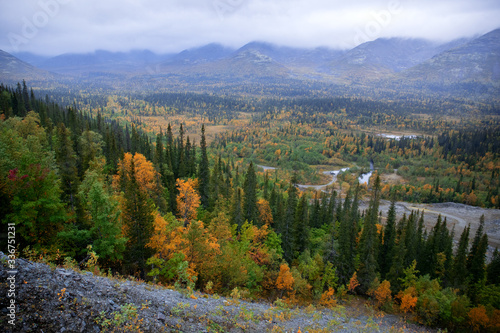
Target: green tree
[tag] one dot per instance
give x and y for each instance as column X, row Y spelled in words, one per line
column 493, row 269
column 459, row 269
column 287, row 221
column 389, row 242
column 30, row 179
column 368, row 244
column 67, row 164
column 204, row 172
column 138, row 221
column 300, row 227
column 250, row 211
column 476, row 264
column 103, row 215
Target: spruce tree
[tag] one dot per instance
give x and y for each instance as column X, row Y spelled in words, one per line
column 138, row 219
column 459, row 269
column 301, row 227
column 346, row 241
column 204, row 172
column 250, row 211
column 476, row 265
column 67, row 163
column 368, row 244
column 493, row 269
column 236, row 209
column 387, row 249
column 287, row 222
column 397, row 262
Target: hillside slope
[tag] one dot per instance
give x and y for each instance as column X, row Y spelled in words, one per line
column 64, row 300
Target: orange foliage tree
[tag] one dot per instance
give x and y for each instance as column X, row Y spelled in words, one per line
column 148, row 179
column 478, row 318
column 328, row 298
column 353, row 282
column 285, row 279
column 167, row 236
column 382, row 292
column 188, row 199
column 408, row 299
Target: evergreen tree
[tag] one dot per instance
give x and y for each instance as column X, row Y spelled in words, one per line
column 493, row 270
column 459, row 269
column 346, row 241
column 368, row 243
column 389, row 242
column 135, row 141
column 250, row 211
column 236, row 210
column 287, row 222
column 204, row 172
column 411, row 241
column 477, row 254
column 67, row 163
column 301, row 227
column 476, row 265
column 397, row 262
column 180, row 171
column 138, row 219
column 314, row 217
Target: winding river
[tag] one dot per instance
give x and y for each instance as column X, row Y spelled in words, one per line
column 363, row 179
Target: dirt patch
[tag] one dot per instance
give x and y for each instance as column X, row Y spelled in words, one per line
column 392, row 179
column 457, row 215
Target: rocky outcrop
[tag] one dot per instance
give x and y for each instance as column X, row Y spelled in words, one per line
column 49, row 299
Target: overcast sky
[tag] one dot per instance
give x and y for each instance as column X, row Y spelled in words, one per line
column 53, row 27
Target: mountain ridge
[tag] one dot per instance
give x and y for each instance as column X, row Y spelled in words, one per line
column 384, row 63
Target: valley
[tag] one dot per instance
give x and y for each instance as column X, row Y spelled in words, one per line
column 307, row 178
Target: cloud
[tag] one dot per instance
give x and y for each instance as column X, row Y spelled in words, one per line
column 59, row 26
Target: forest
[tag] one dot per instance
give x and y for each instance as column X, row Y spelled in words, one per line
column 101, row 186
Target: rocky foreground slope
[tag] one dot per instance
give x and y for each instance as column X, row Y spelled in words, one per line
column 63, row 300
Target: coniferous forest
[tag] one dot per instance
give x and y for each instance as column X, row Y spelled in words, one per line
column 169, row 188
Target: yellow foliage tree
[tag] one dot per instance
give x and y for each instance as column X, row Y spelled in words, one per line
column 328, row 298
column 188, row 199
column 167, row 236
column 285, row 279
column 265, row 213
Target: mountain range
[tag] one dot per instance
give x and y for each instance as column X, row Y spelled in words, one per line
column 383, row 63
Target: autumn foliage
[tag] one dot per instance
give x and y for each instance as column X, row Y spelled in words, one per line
column 353, row 282
column 285, row 278
column 188, row 199
column 478, row 318
column 382, row 293
column 328, row 298
column 408, row 299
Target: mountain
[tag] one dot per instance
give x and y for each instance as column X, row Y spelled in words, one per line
column 98, row 61
column 13, row 70
column 208, row 53
column 388, row 64
column 248, row 65
column 31, row 58
column 383, row 57
column 298, row 59
column 477, row 60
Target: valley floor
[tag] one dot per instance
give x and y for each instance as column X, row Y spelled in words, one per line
column 458, row 216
